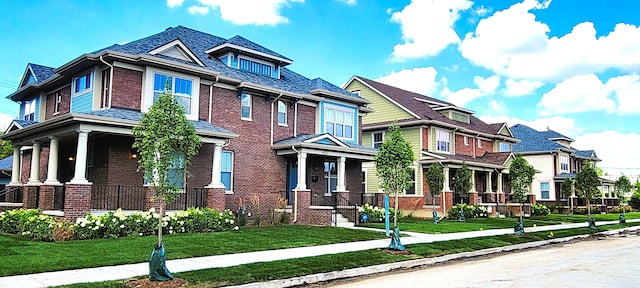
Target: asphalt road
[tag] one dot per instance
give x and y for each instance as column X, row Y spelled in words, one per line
column 611, row 262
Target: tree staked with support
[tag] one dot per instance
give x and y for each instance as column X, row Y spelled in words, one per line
column 622, row 187
column 521, row 175
column 566, row 188
column 435, row 179
column 393, row 164
column 166, row 141
column 587, row 182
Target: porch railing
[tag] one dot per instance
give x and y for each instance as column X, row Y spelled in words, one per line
column 191, row 197
column 58, row 198
column 11, row 194
column 118, row 196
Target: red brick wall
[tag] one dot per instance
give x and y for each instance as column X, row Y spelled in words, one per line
column 127, row 88
column 425, row 138
column 487, row 146
column 353, row 179
column 203, row 113
column 65, row 103
column 282, row 132
column 121, row 167
column 306, row 119
column 77, row 201
column 464, row 149
column 200, row 167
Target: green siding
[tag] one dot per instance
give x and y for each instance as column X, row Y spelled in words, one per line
column 412, row 135
column 505, row 132
column 372, row 180
column 460, row 117
column 366, row 139
column 384, row 110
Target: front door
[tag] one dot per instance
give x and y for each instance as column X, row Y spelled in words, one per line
column 292, row 178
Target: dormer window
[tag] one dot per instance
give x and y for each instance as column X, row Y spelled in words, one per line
column 30, row 110
column 254, row 66
column 82, row 83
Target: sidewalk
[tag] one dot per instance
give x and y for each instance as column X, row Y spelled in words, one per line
column 181, row 265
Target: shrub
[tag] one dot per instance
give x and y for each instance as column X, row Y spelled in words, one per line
column 470, row 211
column 540, row 210
column 619, row 209
column 375, row 214
column 634, row 201
column 583, row 211
column 28, row 223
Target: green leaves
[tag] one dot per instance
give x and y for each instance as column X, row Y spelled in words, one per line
column 393, row 162
column 463, row 181
column 622, row 187
column 587, row 182
column 435, row 179
column 521, row 175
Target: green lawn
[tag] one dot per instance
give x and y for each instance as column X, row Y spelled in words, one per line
column 265, row 271
column 23, row 256
column 475, row 224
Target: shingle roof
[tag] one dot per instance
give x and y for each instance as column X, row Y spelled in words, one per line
column 494, row 158
column 42, row 72
column 554, row 135
column 243, row 42
column 585, row 153
column 25, row 123
column 407, row 100
column 199, row 42
column 532, row 140
column 304, row 137
column 6, row 163
column 126, row 114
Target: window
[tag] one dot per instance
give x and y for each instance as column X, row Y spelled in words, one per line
column 443, row 141
column 226, row 173
column 176, row 174
column 58, row 99
column 363, row 177
column 564, row 163
column 466, row 141
column 255, row 67
column 505, row 147
column 179, row 87
column 30, row 110
column 338, row 123
column 282, row 113
column 246, row 107
column 544, row 190
column 330, row 176
column 378, row 138
column 479, row 143
column 82, row 83
column 357, row 92
column 412, row 189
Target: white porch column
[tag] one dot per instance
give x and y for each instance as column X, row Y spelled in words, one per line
column 34, row 176
column 302, row 171
column 216, row 167
column 81, row 158
column 446, row 179
column 341, row 174
column 489, row 182
column 500, row 182
column 15, row 169
column 52, row 170
column 473, row 181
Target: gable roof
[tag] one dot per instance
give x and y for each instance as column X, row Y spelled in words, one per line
column 6, row 164
column 532, row 140
column 39, row 72
column 587, row 154
column 488, row 159
column 239, row 42
column 553, row 135
column 418, row 105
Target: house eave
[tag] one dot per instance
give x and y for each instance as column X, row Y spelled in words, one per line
column 339, row 96
column 373, row 127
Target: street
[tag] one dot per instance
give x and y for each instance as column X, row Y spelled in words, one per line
column 611, row 262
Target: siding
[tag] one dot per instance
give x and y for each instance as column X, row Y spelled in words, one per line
column 82, row 103
column 384, row 110
column 432, row 147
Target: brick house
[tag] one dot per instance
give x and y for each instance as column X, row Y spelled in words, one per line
column 267, row 132
column 439, row 132
column 551, row 154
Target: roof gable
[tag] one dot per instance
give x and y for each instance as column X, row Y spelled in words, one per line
column 241, row 44
column 35, row 73
column 176, row 49
column 533, row 140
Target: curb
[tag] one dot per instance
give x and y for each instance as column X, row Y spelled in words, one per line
column 370, row 270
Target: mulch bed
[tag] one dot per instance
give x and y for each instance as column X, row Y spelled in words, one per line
column 146, row 283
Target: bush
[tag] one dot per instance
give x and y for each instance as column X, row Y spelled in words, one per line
column 470, row 211
column 583, row 211
column 375, row 214
column 634, row 201
column 540, row 210
column 619, row 209
column 28, row 223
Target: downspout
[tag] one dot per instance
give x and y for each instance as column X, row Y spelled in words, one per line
column 274, row 101
column 295, row 119
column 211, row 97
column 295, row 193
column 110, row 80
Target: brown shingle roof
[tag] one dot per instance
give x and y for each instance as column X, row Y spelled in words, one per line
column 408, row 101
column 493, row 158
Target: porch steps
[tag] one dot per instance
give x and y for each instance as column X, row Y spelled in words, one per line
column 342, row 221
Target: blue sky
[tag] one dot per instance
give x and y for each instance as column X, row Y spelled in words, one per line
column 569, row 65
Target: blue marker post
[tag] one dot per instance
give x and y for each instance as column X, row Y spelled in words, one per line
column 386, row 214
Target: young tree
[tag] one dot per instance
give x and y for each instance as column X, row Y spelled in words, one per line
column 566, row 188
column 6, row 148
column 521, row 174
column 622, row 187
column 463, row 182
column 587, row 182
column 393, row 164
column 435, row 180
column 166, row 142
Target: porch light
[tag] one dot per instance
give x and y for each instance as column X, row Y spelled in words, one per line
column 133, row 155
column 71, row 158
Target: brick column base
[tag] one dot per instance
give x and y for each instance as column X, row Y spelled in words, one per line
column 46, row 197
column 148, row 202
column 531, row 199
column 216, row 199
column 502, row 197
column 77, row 201
column 473, row 198
column 448, row 201
column 30, row 197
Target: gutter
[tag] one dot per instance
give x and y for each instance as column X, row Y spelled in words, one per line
column 110, row 81
column 272, row 102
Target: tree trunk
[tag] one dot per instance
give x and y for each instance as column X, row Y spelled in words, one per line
column 521, row 212
column 588, row 208
column 395, row 213
column 160, row 223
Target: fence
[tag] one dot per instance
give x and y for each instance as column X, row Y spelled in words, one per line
column 58, row 198
column 114, row 197
column 11, row 194
column 190, row 197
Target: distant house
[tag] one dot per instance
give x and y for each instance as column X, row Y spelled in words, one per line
column 552, row 155
column 440, row 133
column 266, row 130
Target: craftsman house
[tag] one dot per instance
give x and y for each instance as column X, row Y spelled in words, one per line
column 267, row 132
column 551, row 154
column 439, row 132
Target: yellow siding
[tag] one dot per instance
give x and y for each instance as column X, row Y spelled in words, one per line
column 366, row 139
column 505, row 132
column 372, row 180
column 384, row 110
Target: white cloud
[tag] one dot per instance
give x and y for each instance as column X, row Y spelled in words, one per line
column 486, row 86
column 615, row 161
column 5, row 121
column 497, row 107
column 513, row 43
column 201, row 10
column 349, row 2
column 514, row 88
column 251, row 12
column 174, row 3
column 419, row 80
column 560, row 124
column 427, row 27
column 587, row 93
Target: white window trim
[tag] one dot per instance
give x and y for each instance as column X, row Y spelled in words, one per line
column 57, row 102
column 466, row 140
column 365, row 183
column 479, row 143
column 373, row 141
column 354, row 114
column 250, row 118
column 285, row 124
column 147, row 92
column 568, row 162
column 273, row 67
column 233, row 163
column 505, row 143
column 548, row 190
column 86, row 90
column 450, row 145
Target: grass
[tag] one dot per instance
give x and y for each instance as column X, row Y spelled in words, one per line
column 265, row 271
column 23, row 256
column 475, row 224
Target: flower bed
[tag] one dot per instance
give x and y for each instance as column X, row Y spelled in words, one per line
column 30, row 223
column 470, row 211
column 374, row 214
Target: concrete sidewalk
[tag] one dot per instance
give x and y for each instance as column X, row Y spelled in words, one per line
column 181, row 265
